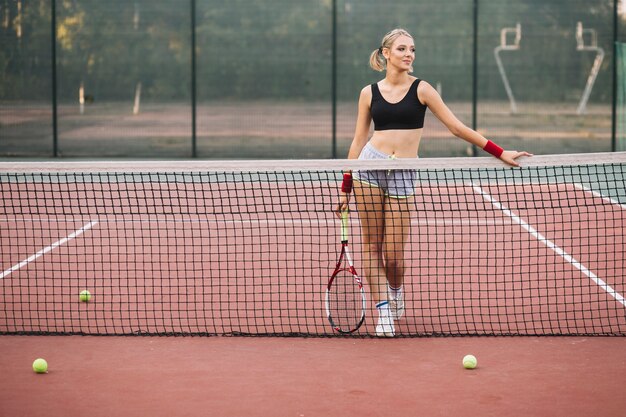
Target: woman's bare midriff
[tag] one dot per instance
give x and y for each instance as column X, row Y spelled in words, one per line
column 399, row 143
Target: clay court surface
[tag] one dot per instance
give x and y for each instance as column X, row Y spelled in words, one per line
column 235, row 376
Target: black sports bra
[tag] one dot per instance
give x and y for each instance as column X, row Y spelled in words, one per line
column 408, row 113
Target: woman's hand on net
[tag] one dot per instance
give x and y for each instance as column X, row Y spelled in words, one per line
column 510, row 157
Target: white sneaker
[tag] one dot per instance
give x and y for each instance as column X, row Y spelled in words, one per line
column 396, row 305
column 385, row 327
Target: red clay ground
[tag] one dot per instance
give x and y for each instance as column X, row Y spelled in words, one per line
column 225, row 376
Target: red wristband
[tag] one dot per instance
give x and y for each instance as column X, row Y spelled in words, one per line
column 346, row 185
column 493, row 149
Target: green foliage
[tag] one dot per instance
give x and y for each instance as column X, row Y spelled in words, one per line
column 25, row 53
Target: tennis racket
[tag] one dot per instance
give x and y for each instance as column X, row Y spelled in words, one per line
column 345, row 297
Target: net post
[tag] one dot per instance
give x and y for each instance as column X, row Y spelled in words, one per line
column 614, row 80
column 55, row 127
column 194, row 145
column 334, row 79
column 475, row 73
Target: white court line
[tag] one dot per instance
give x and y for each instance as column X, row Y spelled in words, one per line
column 551, row 245
column 48, row 249
column 600, row 195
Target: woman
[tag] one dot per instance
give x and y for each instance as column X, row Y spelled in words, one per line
column 397, row 105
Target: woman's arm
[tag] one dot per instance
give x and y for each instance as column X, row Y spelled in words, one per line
column 429, row 96
column 363, row 121
column 361, row 133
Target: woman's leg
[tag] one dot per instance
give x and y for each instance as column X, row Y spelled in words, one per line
column 370, row 202
column 371, row 206
column 397, row 227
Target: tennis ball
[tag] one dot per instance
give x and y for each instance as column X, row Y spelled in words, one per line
column 85, row 296
column 469, row 362
column 40, row 366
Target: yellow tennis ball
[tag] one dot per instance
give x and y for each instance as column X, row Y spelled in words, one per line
column 85, row 296
column 469, row 362
column 40, row 366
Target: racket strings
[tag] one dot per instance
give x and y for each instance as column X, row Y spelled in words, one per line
column 346, row 302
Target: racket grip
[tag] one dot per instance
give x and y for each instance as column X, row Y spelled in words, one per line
column 344, row 226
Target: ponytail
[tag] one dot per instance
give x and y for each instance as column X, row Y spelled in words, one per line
column 377, row 60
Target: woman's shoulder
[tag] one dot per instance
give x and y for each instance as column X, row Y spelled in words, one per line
column 423, row 84
column 367, row 91
column 425, row 92
column 370, row 86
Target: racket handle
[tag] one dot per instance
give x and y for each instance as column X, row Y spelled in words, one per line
column 344, row 226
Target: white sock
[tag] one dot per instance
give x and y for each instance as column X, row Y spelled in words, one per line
column 383, row 308
column 395, row 292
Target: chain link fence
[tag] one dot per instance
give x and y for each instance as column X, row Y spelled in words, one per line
column 280, row 79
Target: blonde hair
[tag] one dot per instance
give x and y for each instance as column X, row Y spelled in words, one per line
column 378, row 62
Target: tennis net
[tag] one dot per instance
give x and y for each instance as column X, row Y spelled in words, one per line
column 247, row 247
